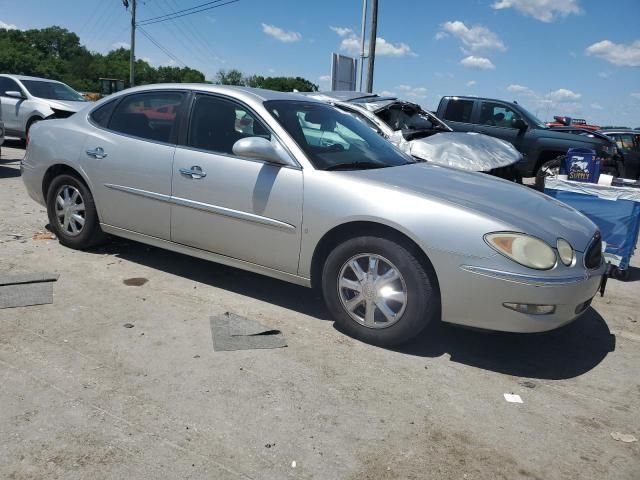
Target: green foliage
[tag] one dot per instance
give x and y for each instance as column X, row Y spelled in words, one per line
column 281, row 84
column 56, row 53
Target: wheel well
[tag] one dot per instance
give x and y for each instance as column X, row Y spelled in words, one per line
column 55, row 170
column 546, row 156
column 346, row 231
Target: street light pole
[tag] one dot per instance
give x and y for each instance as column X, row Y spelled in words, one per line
column 362, row 34
column 132, row 50
column 372, row 44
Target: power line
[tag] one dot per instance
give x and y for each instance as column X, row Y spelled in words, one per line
column 179, row 11
column 149, row 22
column 160, row 46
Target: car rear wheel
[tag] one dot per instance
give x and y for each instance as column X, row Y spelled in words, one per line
column 72, row 213
column 378, row 291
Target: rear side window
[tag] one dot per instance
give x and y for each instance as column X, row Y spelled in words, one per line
column 102, row 114
column 151, row 115
column 459, row 110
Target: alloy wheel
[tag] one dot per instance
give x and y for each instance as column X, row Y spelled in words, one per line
column 372, row 290
column 70, row 210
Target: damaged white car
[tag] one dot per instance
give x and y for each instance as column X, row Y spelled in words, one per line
column 425, row 137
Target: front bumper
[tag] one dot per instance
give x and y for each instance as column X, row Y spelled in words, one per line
column 485, row 291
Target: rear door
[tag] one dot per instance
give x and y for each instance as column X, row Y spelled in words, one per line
column 458, row 114
column 242, row 208
column 129, row 157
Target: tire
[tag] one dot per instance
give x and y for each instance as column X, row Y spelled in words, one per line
column 547, row 169
column 73, row 234
column 417, row 284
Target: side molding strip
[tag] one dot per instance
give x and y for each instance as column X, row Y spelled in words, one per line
column 206, row 207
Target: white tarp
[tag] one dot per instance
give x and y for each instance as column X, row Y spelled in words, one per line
column 602, row 191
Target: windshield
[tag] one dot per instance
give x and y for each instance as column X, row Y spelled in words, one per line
column 532, row 118
column 332, row 139
column 52, row 91
column 406, row 116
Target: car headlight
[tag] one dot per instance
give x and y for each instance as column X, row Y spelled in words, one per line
column 524, row 249
column 565, row 252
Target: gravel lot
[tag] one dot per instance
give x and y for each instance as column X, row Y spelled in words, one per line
column 84, row 397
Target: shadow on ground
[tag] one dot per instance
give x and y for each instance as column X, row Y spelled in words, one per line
column 564, row 353
column 292, row 297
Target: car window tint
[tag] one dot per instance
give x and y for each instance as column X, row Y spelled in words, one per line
column 8, row 85
column 627, row 141
column 102, row 114
column 139, row 115
column 331, row 137
column 217, row 124
column 359, row 116
column 459, row 110
column 497, row 115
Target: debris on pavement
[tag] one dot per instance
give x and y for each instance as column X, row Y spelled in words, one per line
column 233, row 332
column 293, row 464
column 135, row 281
column 128, row 325
column 512, row 398
column 623, row 437
column 44, row 236
column 26, row 289
column 528, row 384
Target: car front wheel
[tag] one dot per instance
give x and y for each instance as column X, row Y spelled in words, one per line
column 378, row 291
column 72, row 213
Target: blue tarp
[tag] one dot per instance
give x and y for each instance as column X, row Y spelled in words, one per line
column 618, row 220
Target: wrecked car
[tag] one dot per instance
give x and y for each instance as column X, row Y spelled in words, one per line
column 27, row 100
column 425, row 137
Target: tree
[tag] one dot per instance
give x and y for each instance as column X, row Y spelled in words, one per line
column 57, row 54
column 282, row 84
column 231, row 77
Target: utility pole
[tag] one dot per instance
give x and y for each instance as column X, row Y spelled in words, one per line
column 372, row 44
column 132, row 51
column 362, row 34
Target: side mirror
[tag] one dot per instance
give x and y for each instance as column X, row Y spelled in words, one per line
column 258, row 148
column 15, row 94
column 520, row 124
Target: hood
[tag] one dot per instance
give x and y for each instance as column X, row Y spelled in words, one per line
column 66, row 105
column 520, row 208
column 464, row 150
column 571, row 137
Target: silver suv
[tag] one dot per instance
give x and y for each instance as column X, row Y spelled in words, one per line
column 26, row 100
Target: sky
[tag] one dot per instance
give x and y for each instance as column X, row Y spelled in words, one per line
column 579, row 58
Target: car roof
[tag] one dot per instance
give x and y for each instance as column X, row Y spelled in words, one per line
column 26, row 77
column 618, row 130
column 257, row 93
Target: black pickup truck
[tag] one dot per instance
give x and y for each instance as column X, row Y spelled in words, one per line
column 540, row 145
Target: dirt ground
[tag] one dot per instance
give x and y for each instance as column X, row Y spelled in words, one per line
column 82, row 396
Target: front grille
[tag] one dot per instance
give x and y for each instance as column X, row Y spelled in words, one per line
column 593, row 255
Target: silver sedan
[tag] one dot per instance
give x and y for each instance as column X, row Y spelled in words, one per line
column 255, row 179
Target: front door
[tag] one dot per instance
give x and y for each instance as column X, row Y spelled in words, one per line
column 497, row 120
column 129, row 157
column 11, row 107
column 245, row 209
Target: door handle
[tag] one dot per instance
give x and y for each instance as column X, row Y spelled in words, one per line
column 194, row 172
column 97, row 152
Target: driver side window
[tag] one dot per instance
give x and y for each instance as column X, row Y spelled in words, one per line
column 217, row 124
column 497, row 115
column 8, row 85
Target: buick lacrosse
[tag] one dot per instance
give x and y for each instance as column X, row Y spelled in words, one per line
column 255, row 179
